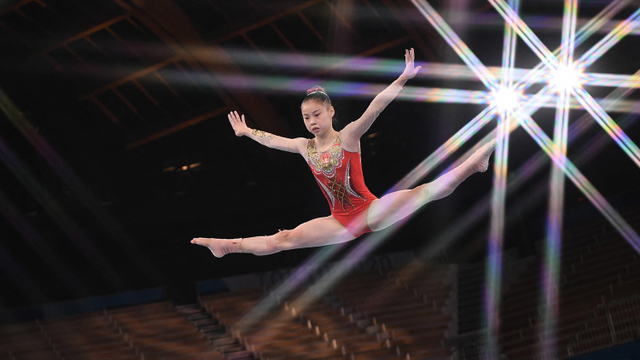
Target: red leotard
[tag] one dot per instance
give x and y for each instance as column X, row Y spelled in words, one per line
column 339, row 174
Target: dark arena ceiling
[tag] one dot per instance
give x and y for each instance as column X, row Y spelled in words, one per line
column 116, row 150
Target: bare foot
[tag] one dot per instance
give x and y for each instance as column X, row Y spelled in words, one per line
column 220, row 247
column 479, row 161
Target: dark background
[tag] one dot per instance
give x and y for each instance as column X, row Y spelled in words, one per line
column 105, row 103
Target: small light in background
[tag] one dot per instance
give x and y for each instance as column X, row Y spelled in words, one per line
column 182, row 168
column 372, row 135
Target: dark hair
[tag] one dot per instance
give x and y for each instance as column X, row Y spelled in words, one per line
column 318, row 94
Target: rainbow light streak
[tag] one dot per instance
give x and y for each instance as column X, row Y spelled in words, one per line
column 628, row 146
column 445, row 95
column 606, row 43
column 604, row 120
column 288, row 85
column 291, row 85
column 429, row 70
column 583, row 97
column 344, row 89
column 456, row 43
column 512, row 18
column 38, row 244
column 303, row 62
column 585, row 121
column 509, row 54
column 608, row 80
column 551, row 269
column 548, row 58
column 549, row 22
column 493, row 271
column 494, row 263
column 587, row 30
column 579, row 180
column 600, row 22
column 76, row 185
column 517, row 179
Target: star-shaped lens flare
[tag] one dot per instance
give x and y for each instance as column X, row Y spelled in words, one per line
column 564, row 78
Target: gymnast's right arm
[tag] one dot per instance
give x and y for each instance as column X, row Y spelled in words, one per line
column 297, row 145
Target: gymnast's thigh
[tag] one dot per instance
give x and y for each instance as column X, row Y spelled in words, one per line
column 316, row 232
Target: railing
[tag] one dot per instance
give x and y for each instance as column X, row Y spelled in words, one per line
column 614, row 323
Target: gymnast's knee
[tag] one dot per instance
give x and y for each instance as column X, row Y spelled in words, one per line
column 283, row 239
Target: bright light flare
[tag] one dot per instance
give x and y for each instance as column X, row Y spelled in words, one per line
column 505, row 98
column 566, row 77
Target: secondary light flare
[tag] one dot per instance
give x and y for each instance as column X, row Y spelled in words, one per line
column 566, row 77
column 583, row 97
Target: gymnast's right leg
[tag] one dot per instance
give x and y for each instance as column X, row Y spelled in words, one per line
column 317, row 232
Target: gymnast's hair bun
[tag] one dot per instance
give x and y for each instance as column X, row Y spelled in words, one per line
column 316, row 89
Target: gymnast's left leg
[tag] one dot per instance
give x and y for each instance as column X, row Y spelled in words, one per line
column 395, row 206
column 316, row 232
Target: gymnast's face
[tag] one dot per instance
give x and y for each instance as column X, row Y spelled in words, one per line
column 318, row 117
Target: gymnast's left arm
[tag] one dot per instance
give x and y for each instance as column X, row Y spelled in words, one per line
column 352, row 132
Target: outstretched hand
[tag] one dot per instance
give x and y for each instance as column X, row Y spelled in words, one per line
column 409, row 70
column 238, row 124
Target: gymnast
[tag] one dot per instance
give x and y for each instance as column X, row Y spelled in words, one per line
column 334, row 159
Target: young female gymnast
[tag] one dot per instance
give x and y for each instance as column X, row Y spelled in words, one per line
column 334, row 159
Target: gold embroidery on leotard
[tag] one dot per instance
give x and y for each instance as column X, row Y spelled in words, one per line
column 325, row 161
column 260, row 133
